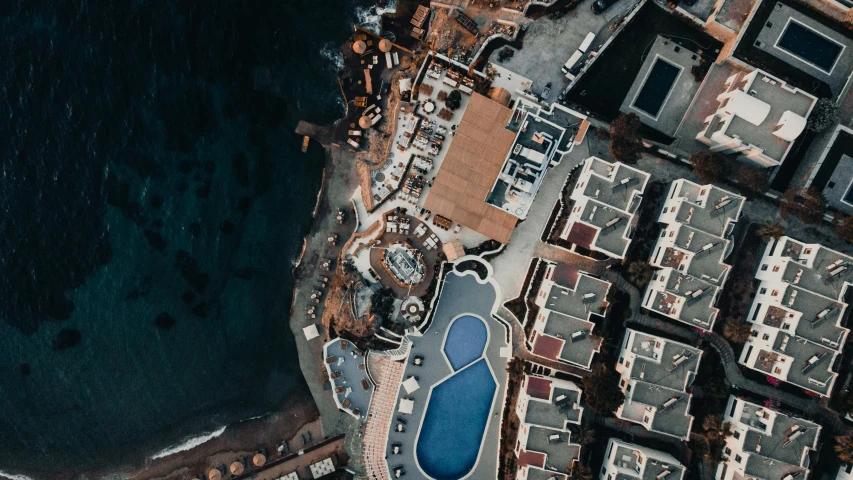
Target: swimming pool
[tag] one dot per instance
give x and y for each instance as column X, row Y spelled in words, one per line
column 656, row 88
column 455, row 420
column 809, row 45
column 465, row 341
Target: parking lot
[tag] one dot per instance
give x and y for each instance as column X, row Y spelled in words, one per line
column 548, row 43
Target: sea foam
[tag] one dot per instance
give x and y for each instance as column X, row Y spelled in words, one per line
column 332, row 53
column 191, row 442
column 369, row 17
column 13, row 476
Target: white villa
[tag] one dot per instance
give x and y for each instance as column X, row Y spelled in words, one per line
column 796, row 314
column 766, row 443
column 656, row 373
column 690, row 252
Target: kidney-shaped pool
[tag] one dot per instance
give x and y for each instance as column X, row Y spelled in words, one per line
column 466, row 340
column 455, row 420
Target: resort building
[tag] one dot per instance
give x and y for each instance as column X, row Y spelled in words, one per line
column 604, row 202
column 656, row 373
column 628, row 461
column 697, row 221
column 474, row 160
column 814, row 49
column 759, row 116
column 766, row 443
column 664, row 86
column 546, row 406
column 346, row 366
column 541, row 140
column 797, row 314
column 837, row 163
column 569, row 302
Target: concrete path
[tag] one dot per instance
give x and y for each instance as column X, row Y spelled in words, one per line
column 339, row 172
column 548, row 43
column 526, row 240
column 754, row 210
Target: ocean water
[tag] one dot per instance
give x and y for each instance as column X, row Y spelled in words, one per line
column 153, row 199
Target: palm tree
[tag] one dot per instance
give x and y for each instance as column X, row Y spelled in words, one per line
column 640, row 273
column 579, row 471
column 585, row 435
column 736, row 330
column 771, row 230
column 714, row 428
column 844, row 447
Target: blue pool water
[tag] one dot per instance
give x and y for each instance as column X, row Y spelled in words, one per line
column 454, row 423
column 658, row 84
column 465, row 341
column 810, row 46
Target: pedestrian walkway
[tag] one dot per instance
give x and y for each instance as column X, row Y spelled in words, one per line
column 736, row 379
column 389, row 374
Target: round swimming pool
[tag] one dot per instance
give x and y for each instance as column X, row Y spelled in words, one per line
column 455, row 420
column 465, row 341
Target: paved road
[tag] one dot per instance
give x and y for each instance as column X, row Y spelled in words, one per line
column 548, row 44
column 525, row 242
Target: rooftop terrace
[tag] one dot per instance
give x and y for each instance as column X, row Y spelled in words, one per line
column 560, row 454
column 585, row 298
column 710, row 214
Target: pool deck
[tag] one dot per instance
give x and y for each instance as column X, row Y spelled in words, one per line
column 680, row 95
column 769, row 36
column 461, row 294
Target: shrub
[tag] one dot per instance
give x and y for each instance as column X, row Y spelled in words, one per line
column 709, row 166
column 823, row 115
column 454, row 100
column 626, row 145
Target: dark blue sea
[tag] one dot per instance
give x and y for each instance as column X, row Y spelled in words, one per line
column 153, row 200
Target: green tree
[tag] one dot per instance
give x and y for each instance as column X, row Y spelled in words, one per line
column 579, row 471
column 813, row 206
column 584, row 435
column 736, row 330
column 709, row 166
column 844, row 447
column 823, row 115
column 453, row 100
column 601, row 390
column 715, row 429
column 771, row 230
column 626, row 145
column 754, row 180
column 640, row 273
column 844, row 228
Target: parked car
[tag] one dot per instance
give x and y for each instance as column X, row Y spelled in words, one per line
column 601, row 5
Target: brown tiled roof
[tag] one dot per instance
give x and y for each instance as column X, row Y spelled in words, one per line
column 582, row 235
column 531, row 458
column 547, row 346
column 470, row 168
column 566, row 275
column 539, row 388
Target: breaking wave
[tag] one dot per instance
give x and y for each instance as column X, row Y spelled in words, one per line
column 333, row 54
column 369, row 17
column 192, row 442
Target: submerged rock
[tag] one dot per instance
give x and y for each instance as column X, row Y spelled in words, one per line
column 66, row 338
column 164, row 321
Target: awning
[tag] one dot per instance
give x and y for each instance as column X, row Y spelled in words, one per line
column 747, row 107
column 790, row 126
column 411, row 385
column 406, row 406
column 311, row 332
